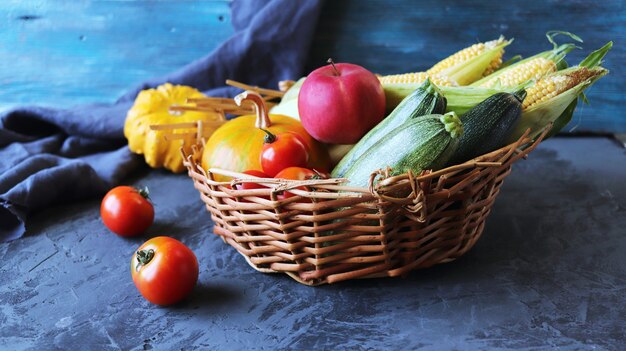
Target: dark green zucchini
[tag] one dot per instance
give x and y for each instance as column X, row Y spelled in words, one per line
column 424, row 100
column 419, row 144
column 487, row 125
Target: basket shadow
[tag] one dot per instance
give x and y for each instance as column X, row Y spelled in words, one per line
column 497, row 255
column 521, row 243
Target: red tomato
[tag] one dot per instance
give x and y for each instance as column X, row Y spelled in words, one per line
column 248, row 186
column 281, row 151
column 298, row 173
column 126, row 211
column 164, row 270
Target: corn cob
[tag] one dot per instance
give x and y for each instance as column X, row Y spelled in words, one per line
column 494, row 65
column 470, row 53
column 417, row 77
column 552, row 85
column 461, row 68
column 541, row 92
column 552, row 99
column 532, row 69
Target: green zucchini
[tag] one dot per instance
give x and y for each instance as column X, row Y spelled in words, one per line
column 488, row 124
column 425, row 100
column 419, row 144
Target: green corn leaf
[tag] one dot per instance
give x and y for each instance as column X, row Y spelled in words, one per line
column 510, row 61
column 595, row 58
column 563, row 119
column 553, row 33
column 584, row 98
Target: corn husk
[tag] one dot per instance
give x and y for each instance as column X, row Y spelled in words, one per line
column 560, row 108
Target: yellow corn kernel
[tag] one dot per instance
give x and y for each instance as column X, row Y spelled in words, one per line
column 468, row 54
column 533, row 69
column 553, row 85
column 494, row 64
column 416, row 77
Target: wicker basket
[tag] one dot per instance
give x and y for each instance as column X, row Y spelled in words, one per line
column 329, row 232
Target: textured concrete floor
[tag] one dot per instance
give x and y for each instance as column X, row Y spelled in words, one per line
column 549, row 271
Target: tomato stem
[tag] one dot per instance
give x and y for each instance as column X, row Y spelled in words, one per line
column 317, row 175
column 143, row 258
column 269, row 137
column 144, row 192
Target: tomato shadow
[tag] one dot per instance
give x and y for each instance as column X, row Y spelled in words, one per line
column 210, row 296
column 168, row 228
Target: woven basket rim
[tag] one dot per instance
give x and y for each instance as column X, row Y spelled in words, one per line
column 510, row 154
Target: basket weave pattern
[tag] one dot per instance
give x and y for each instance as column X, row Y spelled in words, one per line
column 330, row 232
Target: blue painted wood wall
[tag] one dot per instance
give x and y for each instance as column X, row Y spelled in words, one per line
column 67, row 52
column 62, row 52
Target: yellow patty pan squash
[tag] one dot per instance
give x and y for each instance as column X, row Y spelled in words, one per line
column 152, row 107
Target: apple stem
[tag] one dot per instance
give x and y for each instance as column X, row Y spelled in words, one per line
column 262, row 117
column 330, row 60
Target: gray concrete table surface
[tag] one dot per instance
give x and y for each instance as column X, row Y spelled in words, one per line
column 549, row 272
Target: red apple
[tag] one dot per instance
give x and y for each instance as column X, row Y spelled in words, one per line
column 341, row 102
